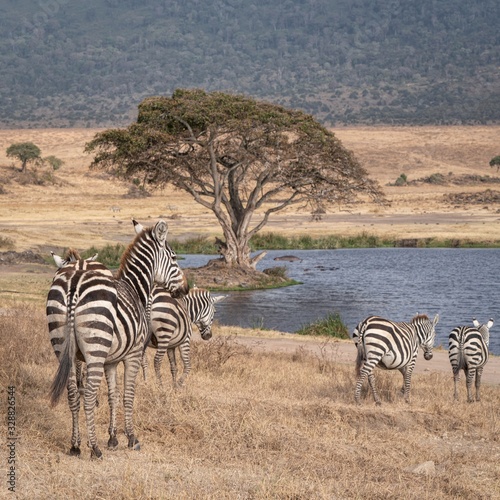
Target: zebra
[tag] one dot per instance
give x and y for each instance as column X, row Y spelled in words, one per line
column 171, row 326
column 68, row 264
column 99, row 319
column 391, row 346
column 468, row 351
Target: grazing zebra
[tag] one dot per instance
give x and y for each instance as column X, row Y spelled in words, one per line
column 101, row 320
column 468, row 351
column 391, row 346
column 171, row 321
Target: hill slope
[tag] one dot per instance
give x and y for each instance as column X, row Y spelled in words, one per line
column 361, row 61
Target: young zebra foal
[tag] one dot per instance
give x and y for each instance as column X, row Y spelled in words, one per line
column 468, row 351
column 171, row 326
column 391, row 346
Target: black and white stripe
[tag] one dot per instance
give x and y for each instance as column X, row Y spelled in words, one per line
column 389, row 345
column 468, row 351
column 171, row 326
column 102, row 321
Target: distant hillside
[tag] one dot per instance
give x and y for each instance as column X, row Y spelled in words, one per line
column 344, row 61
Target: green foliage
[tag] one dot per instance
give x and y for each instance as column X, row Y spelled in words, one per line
column 495, row 162
column 109, row 255
column 54, row 162
column 435, row 179
column 402, row 180
column 25, row 152
column 331, row 326
column 270, row 50
column 197, row 245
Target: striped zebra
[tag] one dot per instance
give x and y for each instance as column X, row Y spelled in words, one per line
column 101, row 320
column 67, row 265
column 390, row 346
column 468, row 351
column 171, row 325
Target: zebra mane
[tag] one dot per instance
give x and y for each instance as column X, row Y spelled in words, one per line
column 130, row 249
column 419, row 317
column 71, row 255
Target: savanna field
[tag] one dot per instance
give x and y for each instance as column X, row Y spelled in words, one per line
column 248, row 424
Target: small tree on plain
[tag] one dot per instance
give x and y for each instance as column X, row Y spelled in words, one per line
column 54, row 162
column 25, row 152
column 495, row 162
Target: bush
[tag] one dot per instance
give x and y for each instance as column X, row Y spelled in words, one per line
column 331, row 326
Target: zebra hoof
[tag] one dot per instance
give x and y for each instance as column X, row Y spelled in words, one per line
column 74, row 451
column 96, row 453
column 113, row 443
column 134, row 443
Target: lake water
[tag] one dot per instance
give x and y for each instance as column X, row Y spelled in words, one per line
column 395, row 283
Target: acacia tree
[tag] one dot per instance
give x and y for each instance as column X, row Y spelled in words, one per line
column 25, row 152
column 242, row 159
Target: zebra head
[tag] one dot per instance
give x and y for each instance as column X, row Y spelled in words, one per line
column 166, row 272
column 426, row 332
column 484, row 330
column 201, row 307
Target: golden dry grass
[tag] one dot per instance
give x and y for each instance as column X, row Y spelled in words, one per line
column 252, row 425
column 77, row 210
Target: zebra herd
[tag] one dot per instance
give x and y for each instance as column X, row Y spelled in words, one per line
column 389, row 345
column 101, row 320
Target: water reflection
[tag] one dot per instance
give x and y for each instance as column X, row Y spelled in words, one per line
column 396, row 283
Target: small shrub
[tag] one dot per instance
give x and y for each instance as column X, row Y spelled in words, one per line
column 402, row 180
column 331, row 326
column 110, row 255
column 6, row 242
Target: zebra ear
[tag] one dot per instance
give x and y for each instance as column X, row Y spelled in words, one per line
column 137, row 226
column 60, row 262
column 490, row 324
column 436, row 319
column 91, row 259
column 475, row 322
column 218, row 298
column 160, row 231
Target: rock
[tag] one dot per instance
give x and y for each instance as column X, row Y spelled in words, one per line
column 288, row 258
column 425, row 468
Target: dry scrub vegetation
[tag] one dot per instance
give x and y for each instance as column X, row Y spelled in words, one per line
column 253, row 425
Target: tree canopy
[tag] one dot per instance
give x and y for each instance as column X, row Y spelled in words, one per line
column 241, row 158
column 25, row 152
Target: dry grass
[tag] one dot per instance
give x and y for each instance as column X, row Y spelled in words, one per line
column 252, row 425
column 77, row 210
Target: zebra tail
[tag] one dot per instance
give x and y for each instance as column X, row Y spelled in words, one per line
column 360, row 358
column 61, row 378
column 460, row 364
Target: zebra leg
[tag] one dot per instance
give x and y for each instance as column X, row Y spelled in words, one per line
column 160, row 353
column 95, row 372
column 185, row 349
column 456, row 380
column 470, row 374
column 173, row 365
column 132, row 365
column 371, row 382
column 144, row 366
column 479, row 372
column 74, row 406
column 110, row 372
column 408, row 370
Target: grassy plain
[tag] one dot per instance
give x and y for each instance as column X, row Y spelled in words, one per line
column 249, row 424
